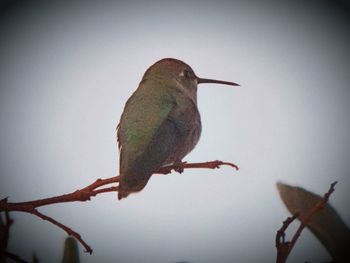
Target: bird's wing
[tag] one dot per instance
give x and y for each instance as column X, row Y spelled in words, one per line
column 147, row 135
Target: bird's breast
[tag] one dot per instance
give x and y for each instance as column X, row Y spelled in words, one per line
column 187, row 119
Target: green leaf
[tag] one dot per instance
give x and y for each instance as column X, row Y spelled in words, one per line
column 71, row 251
column 326, row 224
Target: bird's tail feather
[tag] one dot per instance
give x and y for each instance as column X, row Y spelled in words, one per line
column 131, row 184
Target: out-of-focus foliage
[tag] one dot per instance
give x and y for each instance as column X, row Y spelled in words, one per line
column 71, row 251
column 326, row 224
column 35, row 258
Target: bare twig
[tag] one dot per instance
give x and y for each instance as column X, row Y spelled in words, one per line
column 68, row 230
column 82, row 195
column 284, row 248
column 15, row 257
column 310, row 214
column 281, row 244
column 90, row 191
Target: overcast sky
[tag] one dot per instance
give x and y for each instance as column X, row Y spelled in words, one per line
column 67, row 69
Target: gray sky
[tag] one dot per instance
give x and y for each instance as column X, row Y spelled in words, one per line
column 67, row 69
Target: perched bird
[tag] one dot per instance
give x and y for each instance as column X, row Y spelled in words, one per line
column 160, row 123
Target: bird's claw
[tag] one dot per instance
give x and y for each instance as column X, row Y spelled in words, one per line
column 179, row 167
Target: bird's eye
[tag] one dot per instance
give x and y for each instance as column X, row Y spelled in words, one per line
column 188, row 73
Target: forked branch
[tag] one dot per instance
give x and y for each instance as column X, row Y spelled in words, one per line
column 98, row 187
column 285, row 247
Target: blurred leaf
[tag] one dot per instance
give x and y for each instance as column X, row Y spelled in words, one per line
column 35, row 258
column 326, row 225
column 71, row 251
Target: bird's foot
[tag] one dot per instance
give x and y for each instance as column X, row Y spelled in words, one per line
column 179, row 166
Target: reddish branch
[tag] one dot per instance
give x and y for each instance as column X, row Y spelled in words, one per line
column 15, row 257
column 92, row 190
column 281, row 244
column 285, row 247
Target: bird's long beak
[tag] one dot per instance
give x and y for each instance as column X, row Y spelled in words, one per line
column 201, row 80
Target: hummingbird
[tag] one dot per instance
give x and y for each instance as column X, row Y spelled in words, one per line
column 160, row 123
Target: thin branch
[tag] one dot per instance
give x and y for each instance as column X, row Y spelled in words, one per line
column 15, row 257
column 281, row 244
column 82, row 195
column 284, row 248
column 68, row 230
column 90, row 191
column 314, row 210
